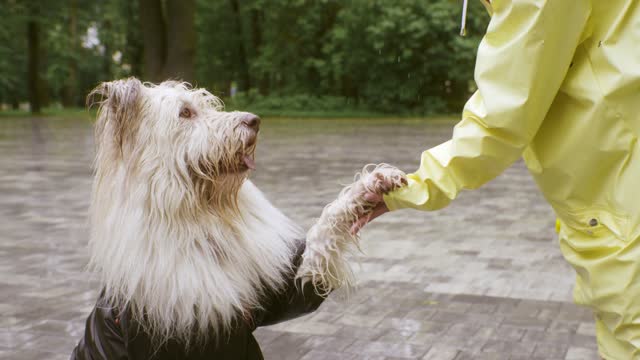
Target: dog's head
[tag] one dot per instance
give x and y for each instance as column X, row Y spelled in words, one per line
column 174, row 133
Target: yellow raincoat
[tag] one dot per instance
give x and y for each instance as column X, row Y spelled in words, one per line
column 559, row 84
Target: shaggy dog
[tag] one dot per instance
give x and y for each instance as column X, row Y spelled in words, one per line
column 191, row 256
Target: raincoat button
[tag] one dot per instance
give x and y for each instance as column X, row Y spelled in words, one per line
column 593, row 222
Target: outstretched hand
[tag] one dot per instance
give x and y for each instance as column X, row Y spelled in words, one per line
column 373, row 193
column 378, row 209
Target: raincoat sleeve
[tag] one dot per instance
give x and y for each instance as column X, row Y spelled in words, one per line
column 521, row 63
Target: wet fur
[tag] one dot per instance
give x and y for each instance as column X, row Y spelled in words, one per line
column 330, row 240
column 179, row 235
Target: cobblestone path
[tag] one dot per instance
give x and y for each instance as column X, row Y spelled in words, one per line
column 482, row 279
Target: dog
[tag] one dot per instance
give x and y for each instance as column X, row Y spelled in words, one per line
column 191, row 256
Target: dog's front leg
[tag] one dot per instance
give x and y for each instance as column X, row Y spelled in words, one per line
column 331, row 239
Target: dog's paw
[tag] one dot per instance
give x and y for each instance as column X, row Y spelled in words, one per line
column 332, row 238
column 383, row 179
column 372, row 183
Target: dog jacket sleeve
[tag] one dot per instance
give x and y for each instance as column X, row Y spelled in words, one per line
column 294, row 300
column 114, row 336
column 103, row 337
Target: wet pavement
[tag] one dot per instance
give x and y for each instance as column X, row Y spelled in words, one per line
column 482, row 279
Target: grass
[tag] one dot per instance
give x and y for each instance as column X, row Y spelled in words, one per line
column 50, row 112
column 273, row 115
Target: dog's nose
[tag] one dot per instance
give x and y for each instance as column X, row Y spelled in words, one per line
column 252, row 121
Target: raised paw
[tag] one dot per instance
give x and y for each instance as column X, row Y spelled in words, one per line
column 383, row 179
column 367, row 193
column 335, row 234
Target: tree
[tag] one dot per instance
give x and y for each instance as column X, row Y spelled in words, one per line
column 71, row 84
column 169, row 39
column 13, row 53
column 33, row 55
column 241, row 54
column 384, row 55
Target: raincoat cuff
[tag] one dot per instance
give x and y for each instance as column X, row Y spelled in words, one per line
column 414, row 195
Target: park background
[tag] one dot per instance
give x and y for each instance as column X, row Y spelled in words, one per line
column 339, row 84
column 280, row 57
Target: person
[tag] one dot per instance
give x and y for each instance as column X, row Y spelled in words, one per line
column 559, row 85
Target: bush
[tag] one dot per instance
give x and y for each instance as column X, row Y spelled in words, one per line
column 312, row 105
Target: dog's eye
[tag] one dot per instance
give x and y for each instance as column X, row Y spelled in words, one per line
column 187, row 113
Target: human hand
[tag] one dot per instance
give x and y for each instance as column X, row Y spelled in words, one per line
column 377, row 210
column 372, row 189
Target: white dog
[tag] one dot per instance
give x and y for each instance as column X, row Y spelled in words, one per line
column 192, row 257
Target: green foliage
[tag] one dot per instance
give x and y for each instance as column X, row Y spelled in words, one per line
column 403, row 55
column 70, row 66
column 384, row 55
column 391, row 56
column 304, row 105
column 12, row 51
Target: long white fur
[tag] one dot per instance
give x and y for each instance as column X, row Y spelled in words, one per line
column 330, row 240
column 185, row 251
column 186, row 244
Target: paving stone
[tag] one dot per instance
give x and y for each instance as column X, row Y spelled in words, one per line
column 265, row 336
column 406, row 324
column 466, row 355
column 306, row 327
column 387, row 349
column 289, row 346
column 587, row 329
column 585, row 341
column 505, row 332
column 462, row 330
column 441, row 353
column 336, row 344
column 508, row 347
column 363, row 333
column 541, row 336
column 326, row 355
column 369, row 320
column 527, row 322
column 550, row 351
column 577, row 353
column 563, row 326
column 396, row 336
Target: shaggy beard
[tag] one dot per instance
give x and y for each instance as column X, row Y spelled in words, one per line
column 190, row 271
column 216, row 186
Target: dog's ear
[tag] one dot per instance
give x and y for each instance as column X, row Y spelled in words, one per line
column 118, row 104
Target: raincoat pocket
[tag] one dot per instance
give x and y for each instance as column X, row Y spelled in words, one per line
column 595, row 222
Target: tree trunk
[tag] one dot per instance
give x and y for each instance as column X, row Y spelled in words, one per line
column 169, row 45
column 181, row 40
column 69, row 96
column 33, row 70
column 245, row 78
column 153, row 29
column 134, row 51
column 256, row 43
column 107, row 58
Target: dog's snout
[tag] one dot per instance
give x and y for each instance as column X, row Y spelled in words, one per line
column 252, row 121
